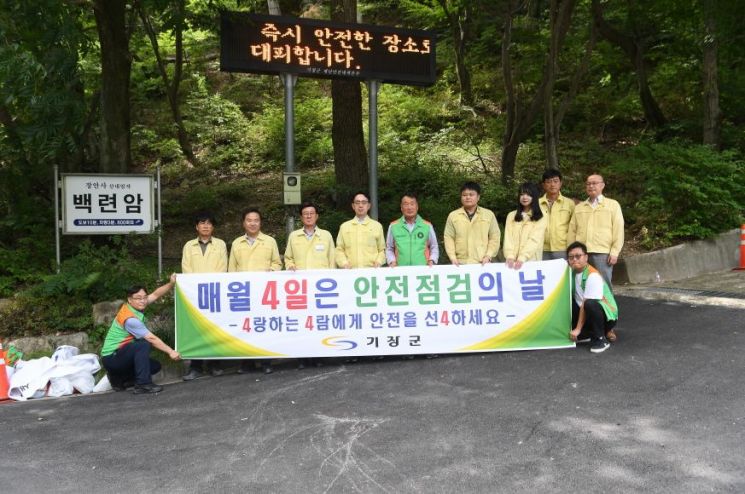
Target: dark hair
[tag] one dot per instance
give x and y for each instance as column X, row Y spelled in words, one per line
column 551, row 173
column 248, row 211
column 532, row 190
column 307, row 204
column 358, row 193
column 471, row 186
column 134, row 289
column 409, row 194
column 577, row 245
column 201, row 216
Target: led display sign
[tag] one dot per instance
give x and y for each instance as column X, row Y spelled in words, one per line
column 314, row 48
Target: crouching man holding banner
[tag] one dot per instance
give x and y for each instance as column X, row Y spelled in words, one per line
column 126, row 350
column 594, row 311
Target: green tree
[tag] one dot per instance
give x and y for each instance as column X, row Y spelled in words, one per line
column 114, row 26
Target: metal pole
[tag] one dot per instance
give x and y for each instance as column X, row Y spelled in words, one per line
column 160, row 229
column 56, row 216
column 372, row 145
column 289, row 81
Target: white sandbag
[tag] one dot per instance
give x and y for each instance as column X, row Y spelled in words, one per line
column 31, row 377
column 102, row 385
column 34, row 375
column 82, row 382
column 59, row 386
column 64, row 352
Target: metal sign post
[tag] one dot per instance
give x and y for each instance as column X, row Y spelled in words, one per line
column 289, row 81
column 372, row 145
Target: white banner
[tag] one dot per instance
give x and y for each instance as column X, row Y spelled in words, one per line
column 375, row 311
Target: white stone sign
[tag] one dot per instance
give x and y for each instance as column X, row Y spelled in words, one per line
column 107, row 204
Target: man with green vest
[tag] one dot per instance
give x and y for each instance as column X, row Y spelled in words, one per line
column 594, row 311
column 126, row 350
column 411, row 241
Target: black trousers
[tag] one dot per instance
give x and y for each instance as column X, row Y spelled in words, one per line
column 131, row 363
column 596, row 324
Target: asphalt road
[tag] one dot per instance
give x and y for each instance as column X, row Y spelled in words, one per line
column 663, row 410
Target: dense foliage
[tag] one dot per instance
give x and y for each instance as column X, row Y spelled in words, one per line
column 648, row 144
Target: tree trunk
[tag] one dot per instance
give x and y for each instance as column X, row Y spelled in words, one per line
column 635, row 49
column 172, row 86
column 577, row 77
column 458, row 23
column 273, row 7
column 521, row 117
column 550, row 131
column 115, row 154
column 712, row 112
column 350, row 156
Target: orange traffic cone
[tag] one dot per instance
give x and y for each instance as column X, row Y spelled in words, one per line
column 742, row 249
column 3, row 376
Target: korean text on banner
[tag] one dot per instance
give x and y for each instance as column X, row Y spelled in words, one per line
column 375, row 311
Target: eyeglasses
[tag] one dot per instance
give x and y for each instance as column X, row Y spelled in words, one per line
column 575, row 257
column 360, row 203
column 593, row 183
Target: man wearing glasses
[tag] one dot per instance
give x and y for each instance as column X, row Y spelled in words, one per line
column 310, row 247
column 559, row 210
column 598, row 223
column 594, row 311
column 126, row 350
column 360, row 242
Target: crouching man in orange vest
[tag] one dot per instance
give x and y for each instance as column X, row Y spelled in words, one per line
column 594, row 311
column 126, row 350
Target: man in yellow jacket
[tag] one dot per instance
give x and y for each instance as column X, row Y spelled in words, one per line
column 309, row 247
column 254, row 251
column 360, row 242
column 471, row 234
column 598, row 223
column 558, row 210
column 204, row 254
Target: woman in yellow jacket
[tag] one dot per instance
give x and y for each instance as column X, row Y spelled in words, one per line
column 524, row 228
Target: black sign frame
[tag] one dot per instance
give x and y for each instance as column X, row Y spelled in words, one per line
column 326, row 49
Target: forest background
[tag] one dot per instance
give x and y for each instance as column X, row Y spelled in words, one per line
column 649, row 93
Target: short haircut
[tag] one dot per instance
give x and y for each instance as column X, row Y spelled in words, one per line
column 135, row 289
column 577, row 245
column 247, row 211
column 551, row 173
column 360, row 193
column 201, row 216
column 308, row 204
column 409, row 194
column 471, row 186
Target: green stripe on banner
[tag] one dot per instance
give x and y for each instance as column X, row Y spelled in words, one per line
column 547, row 327
column 198, row 337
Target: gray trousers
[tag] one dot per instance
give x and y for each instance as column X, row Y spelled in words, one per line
column 555, row 254
column 600, row 262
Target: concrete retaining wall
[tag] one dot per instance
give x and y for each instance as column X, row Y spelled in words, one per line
column 682, row 261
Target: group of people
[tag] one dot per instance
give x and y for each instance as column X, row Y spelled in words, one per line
column 588, row 234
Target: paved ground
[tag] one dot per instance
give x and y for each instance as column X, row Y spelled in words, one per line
column 661, row 411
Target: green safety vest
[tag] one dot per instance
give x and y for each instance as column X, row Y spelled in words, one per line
column 608, row 302
column 117, row 336
column 411, row 246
